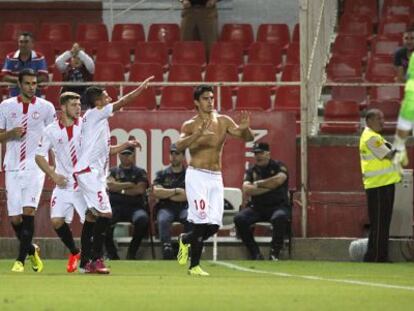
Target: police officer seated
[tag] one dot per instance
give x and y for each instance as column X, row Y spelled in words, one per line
column 266, row 183
column 169, row 190
column 127, row 186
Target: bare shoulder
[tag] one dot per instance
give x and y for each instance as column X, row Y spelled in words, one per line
column 225, row 119
column 189, row 125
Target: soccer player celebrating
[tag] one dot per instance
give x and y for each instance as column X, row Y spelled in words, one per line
column 63, row 137
column 22, row 120
column 93, row 163
column 204, row 135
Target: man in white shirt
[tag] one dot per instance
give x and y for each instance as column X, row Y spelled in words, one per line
column 92, row 167
column 63, row 137
column 22, row 120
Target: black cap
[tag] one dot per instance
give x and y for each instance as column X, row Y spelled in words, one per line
column 129, row 150
column 261, row 147
column 173, row 148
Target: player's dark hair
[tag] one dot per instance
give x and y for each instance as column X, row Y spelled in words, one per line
column 201, row 89
column 67, row 96
column 92, row 94
column 26, row 72
column 27, row 34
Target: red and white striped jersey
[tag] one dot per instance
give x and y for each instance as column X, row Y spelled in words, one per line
column 96, row 140
column 33, row 117
column 65, row 143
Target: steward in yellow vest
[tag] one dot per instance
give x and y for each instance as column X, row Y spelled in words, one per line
column 379, row 176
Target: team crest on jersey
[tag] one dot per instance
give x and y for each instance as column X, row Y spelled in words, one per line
column 35, row 115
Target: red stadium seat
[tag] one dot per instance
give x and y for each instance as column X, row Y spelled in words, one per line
column 397, row 10
column 362, row 7
column 381, row 93
column 288, row 98
column 177, row 98
column 92, row 32
column 351, row 45
column 350, row 93
column 296, row 33
column 7, row 47
column 89, row 47
column 390, row 109
column 55, row 32
column 380, row 71
column 293, row 53
column 167, row 33
column 152, row 52
column 383, row 46
column 274, row 33
column 109, row 72
column 184, row 73
column 222, row 73
column 253, row 98
column 259, row 73
column 397, row 3
column 56, row 75
column 394, row 24
column 341, row 117
column 46, row 49
column 240, row 33
column 145, row 101
column 128, row 34
column 141, row 71
column 227, row 53
column 341, row 69
column 291, row 72
column 11, row 31
column 265, row 53
column 113, row 52
column 189, row 52
column 52, row 94
column 356, row 25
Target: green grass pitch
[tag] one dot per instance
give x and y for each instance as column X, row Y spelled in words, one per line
column 161, row 285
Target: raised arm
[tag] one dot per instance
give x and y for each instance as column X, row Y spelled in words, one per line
column 242, row 130
column 124, row 100
column 114, row 149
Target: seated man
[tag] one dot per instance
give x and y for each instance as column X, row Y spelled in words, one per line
column 266, row 182
column 127, row 186
column 169, row 189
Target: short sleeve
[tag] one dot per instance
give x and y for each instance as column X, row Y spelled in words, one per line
column 51, row 116
column 142, row 176
column 44, row 146
column 42, row 65
column 159, row 178
column 7, row 67
column 248, row 176
column 112, row 172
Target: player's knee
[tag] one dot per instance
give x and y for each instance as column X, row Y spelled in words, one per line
column 240, row 220
column 16, row 220
column 57, row 223
column 29, row 211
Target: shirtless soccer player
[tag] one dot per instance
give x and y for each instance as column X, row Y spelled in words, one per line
column 204, row 135
column 92, row 165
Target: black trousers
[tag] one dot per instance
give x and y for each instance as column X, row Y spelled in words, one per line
column 380, row 204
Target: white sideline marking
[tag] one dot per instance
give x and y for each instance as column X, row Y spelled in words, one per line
column 314, row 278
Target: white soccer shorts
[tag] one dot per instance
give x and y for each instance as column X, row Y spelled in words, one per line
column 205, row 196
column 404, row 124
column 93, row 188
column 23, row 190
column 63, row 202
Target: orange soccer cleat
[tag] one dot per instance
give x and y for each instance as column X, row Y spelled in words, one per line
column 73, row 263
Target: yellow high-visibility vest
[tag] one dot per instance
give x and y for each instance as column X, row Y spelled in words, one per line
column 375, row 172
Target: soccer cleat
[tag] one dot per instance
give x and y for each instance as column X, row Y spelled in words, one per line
column 37, row 264
column 72, row 265
column 89, row 268
column 100, row 267
column 18, row 266
column 197, row 271
column 274, row 254
column 182, row 255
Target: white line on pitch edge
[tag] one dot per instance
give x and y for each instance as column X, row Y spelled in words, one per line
column 311, row 277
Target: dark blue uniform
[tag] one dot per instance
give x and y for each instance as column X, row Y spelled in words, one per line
column 169, row 211
column 273, row 207
column 127, row 208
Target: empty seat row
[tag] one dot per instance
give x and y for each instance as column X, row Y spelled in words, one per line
column 255, row 98
column 132, row 33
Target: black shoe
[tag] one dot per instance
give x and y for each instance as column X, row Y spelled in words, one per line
column 167, row 251
column 274, row 254
column 258, row 257
column 113, row 256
